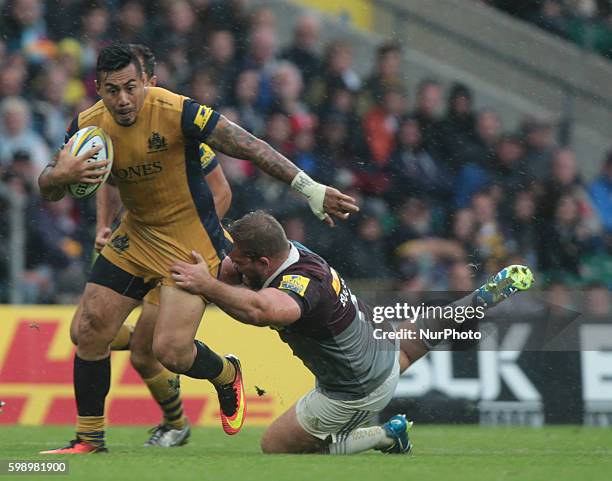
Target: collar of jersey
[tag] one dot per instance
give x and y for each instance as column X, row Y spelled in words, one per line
column 292, row 258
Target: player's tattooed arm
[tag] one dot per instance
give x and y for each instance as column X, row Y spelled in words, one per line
column 324, row 201
column 233, row 140
column 48, row 189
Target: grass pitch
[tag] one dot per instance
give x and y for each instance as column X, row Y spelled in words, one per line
column 441, row 453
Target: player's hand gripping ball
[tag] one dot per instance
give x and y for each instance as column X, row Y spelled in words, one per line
column 84, row 140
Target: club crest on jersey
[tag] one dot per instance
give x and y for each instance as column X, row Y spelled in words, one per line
column 157, row 143
column 120, row 243
column 295, row 283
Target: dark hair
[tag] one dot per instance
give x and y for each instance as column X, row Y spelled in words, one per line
column 258, row 234
column 146, row 56
column 459, row 90
column 388, row 47
column 115, row 57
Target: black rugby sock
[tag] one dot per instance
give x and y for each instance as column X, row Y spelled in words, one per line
column 207, row 364
column 91, row 385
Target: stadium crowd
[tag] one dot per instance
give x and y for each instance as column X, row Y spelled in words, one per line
column 446, row 191
column 587, row 23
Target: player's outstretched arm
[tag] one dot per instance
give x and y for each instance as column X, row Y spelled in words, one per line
column 66, row 169
column 325, row 201
column 267, row 307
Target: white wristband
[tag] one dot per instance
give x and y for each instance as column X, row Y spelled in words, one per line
column 313, row 191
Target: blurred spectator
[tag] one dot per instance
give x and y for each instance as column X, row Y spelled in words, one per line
column 261, row 56
column 132, row 25
column 181, row 25
column 70, row 53
column 304, row 156
column 278, row 132
column 22, row 168
column 221, row 59
column 49, row 111
column 458, row 128
column 24, row 29
column 601, row 194
column 490, row 239
column 333, row 151
column 387, row 75
column 413, row 170
column 381, row 124
column 13, row 75
column 337, row 72
column 303, row 51
column 54, row 243
column 539, row 144
column 365, row 255
column 246, row 92
column 413, row 222
column 507, row 171
column 205, row 88
column 94, row 34
column 427, row 109
column 521, row 228
column 287, row 88
column 16, row 134
column 564, row 179
column 233, row 16
column 478, row 158
column 551, row 17
column 564, row 240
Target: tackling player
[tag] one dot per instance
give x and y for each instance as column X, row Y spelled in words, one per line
column 297, row 293
column 156, row 136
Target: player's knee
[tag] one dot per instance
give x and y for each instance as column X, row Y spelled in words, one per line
column 173, row 356
column 269, row 445
column 92, row 330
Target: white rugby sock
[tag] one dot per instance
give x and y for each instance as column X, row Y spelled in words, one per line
column 360, row 440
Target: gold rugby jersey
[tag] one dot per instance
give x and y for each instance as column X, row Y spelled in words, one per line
column 158, row 166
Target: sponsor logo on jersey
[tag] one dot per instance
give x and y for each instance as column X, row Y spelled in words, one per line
column 120, row 243
column 201, row 118
column 135, row 172
column 294, row 283
column 157, row 143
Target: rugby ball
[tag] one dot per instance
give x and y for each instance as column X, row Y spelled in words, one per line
column 86, row 139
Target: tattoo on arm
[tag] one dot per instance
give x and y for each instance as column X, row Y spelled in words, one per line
column 47, row 190
column 233, row 140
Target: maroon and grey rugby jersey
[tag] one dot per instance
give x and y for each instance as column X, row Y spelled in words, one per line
column 334, row 335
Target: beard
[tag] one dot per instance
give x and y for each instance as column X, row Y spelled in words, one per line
column 255, row 283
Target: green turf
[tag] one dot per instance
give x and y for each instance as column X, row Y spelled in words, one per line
column 441, row 453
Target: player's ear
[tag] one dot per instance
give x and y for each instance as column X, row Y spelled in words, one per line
column 97, row 87
column 153, row 81
column 264, row 262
